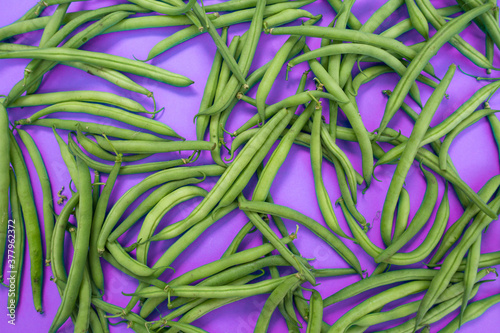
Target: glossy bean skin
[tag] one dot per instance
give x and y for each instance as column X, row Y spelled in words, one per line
column 318, row 229
column 95, row 128
column 103, row 111
column 322, row 196
column 419, row 220
column 4, row 182
column 48, row 205
column 18, row 240
column 375, row 302
column 382, row 279
column 450, row 29
column 403, row 214
column 156, row 214
column 97, row 220
column 469, row 121
column 452, row 261
column 315, row 313
column 156, row 179
column 470, row 273
column 75, row 274
column 276, row 297
column 33, row 235
column 417, row 134
column 108, row 61
column 224, row 182
column 148, row 203
column 455, row 231
column 79, row 95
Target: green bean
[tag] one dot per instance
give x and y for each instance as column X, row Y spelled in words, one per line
column 101, row 59
column 94, row 128
column 155, row 179
column 49, row 31
column 208, row 95
column 144, row 146
column 323, row 199
column 421, row 217
column 485, row 260
column 315, row 227
column 235, row 243
column 351, row 36
column 417, row 18
column 123, row 258
column 84, row 300
column 127, row 169
column 290, row 284
column 48, row 207
column 407, row 309
column 94, row 149
column 452, row 261
column 156, row 214
column 376, row 301
column 75, row 275
column 470, row 273
column 455, row 231
column 57, row 250
column 272, row 73
column 293, row 100
column 97, row 221
column 103, row 111
column 352, row 114
column 474, row 310
column 458, row 42
column 16, row 242
column 163, row 8
column 286, row 16
column 278, row 244
column 373, row 22
column 257, row 288
column 443, row 35
column 109, row 75
column 315, row 313
column 242, row 180
column 195, row 303
column 25, row 194
column 82, row 96
column 233, row 5
column 224, row 182
column 489, row 22
column 418, row 132
column 227, row 275
column 147, row 204
column 435, row 314
column 113, row 309
column 353, row 22
column 75, row 41
column 245, row 60
column 469, row 121
column 361, row 49
column 4, row 183
column 383, row 279
column 403, row 214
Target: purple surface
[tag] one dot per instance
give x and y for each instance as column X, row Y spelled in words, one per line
column 474, row 154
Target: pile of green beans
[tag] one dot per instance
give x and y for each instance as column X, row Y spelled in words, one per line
column 436, row 254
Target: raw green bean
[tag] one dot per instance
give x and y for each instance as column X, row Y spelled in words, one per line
column 81, row 96
column 164, row 8
column 315, row 227
column 75, row 275
column 16, row 242
column 97, row 221
column 470, row 274
column 103, row 111
column 315, row 313
column 418, row 63
column 4, row 183
column 406, row 160
column 25, row 195
column 403, row 214
column 48, row 205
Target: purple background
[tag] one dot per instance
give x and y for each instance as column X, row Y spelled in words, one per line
column 473, row 152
